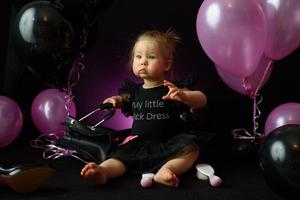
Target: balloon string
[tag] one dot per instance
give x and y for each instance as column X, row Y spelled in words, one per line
column 263, row 77
column 241, row 133
column 73, row 79
column 256, row 114
column 51, row 150
column 78, row 67
column 256, row 110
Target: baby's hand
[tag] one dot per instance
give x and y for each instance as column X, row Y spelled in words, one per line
column 174, row 93
column 114, row 100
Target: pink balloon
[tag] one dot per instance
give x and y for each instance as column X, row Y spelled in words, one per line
column 232, row 34
column 288, row 113
column 283, row 27
column 49, row 111
column 248, row 85
column 11, row 119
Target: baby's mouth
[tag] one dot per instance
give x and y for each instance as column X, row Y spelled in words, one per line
column 143, row 71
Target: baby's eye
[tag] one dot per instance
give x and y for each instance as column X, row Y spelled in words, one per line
column 138, row 56
column 151, row 57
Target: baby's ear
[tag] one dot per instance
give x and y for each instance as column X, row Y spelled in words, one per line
column 168, row 65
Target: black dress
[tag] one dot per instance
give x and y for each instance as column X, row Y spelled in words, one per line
column 162, row 132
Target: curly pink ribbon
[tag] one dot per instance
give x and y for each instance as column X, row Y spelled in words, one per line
column 51, row 150
column 242, row 133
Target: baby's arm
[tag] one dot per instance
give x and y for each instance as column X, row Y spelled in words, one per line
column 193, row 98
column 116, row 101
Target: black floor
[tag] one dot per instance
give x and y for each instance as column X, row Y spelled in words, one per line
column 242, row 178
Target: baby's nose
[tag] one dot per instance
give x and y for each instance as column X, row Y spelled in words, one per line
column 144, row 62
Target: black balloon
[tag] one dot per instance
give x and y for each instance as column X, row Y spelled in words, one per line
column 84, row 16
column 86, row 10
column 44, row 39
column 280, row 160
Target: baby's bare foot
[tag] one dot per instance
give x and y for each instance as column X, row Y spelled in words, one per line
column 166, row 177
column 94, row 173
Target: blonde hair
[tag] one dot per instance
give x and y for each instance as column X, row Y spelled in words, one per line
column 166, row 42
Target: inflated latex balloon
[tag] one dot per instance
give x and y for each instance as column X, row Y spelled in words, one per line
column 251, row 84
column 44, row 39
column 11, row 119
column 287, row 113
column 280, row 160
column 283, row 27
column 49, row 111
column 233, row 34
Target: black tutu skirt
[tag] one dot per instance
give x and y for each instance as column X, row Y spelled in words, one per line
column 143, row 156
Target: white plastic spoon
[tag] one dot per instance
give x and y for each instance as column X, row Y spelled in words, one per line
column 205, row 172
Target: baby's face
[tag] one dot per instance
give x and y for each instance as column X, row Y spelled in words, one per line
column 148, row 61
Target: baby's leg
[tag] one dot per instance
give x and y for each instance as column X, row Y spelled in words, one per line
column 169, row 172
column 106, row 170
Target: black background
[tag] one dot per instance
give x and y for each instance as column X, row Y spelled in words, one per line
column 110, row 41
column 108, row 50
